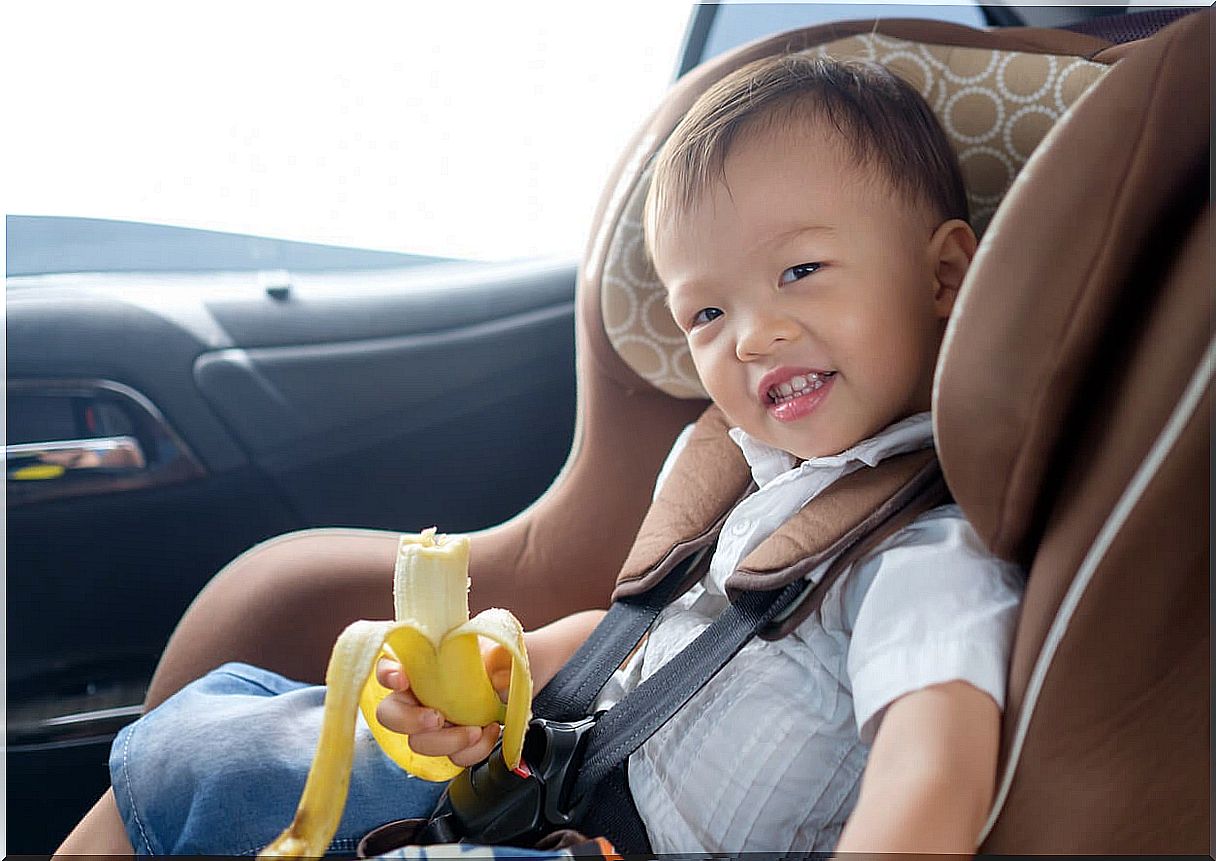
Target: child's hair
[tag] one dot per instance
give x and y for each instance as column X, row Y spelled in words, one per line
column 884, row 123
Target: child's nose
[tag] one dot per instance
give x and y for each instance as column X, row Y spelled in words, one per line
column 760, row 333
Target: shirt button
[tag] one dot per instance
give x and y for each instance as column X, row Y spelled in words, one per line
column 741, row 527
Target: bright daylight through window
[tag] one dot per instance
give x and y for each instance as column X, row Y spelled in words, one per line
column 482, row 130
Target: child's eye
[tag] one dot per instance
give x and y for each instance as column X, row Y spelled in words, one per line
column 706, row 315
column 795, row 273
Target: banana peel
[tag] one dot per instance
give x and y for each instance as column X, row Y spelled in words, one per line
column 436, row 643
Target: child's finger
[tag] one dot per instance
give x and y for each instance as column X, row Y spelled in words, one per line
column 400, row 712
column 390, row 675
column 501, row 680
column 480, row 748
column 444, row 742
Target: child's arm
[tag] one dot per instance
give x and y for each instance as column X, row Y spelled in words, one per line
column 548, row 648
column 929, row 781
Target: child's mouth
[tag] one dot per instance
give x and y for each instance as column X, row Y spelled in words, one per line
column 799, row 395
column 798, row 385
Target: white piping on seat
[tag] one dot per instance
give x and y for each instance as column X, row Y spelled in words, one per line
column 1165, row 441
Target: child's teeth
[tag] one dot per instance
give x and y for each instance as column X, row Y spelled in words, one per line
column 796, row 386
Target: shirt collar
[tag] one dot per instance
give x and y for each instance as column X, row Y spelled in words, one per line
column 910, row 434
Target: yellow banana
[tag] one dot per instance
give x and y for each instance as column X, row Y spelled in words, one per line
column 436, row 643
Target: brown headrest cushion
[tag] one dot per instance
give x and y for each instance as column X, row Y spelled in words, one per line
column 1083, row 232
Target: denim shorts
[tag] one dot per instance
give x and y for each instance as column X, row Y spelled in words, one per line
column 218, row 768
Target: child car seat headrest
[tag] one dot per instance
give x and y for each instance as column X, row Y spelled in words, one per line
column 1046, row 320
column 996, row 94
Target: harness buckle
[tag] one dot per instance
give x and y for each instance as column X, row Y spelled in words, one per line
column 495, row 805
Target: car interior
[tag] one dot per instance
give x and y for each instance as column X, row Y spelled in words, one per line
column 219, row 471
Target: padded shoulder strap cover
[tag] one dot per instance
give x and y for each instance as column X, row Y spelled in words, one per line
column 835, row 520
column 710, row 477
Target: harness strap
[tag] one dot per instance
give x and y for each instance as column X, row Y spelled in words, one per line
column 570, row 694
column 612, row 813
column 925, row 491
column 624, row 728
column 602, row 779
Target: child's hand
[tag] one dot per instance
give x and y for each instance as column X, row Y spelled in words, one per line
column 430, row 734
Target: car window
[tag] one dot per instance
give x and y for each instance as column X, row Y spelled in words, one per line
column 718, row 27
column 735, row 23
column 481, row 131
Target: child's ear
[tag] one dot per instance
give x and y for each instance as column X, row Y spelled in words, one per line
column 951, row 249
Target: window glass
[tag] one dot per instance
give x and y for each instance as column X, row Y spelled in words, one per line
column 736, row 23
column 479, row 131
column 739, row 21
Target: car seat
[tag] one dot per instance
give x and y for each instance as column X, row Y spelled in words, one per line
column 1071, row 410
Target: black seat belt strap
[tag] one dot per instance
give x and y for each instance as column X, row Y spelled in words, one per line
column 571, row 693
column 626, row 726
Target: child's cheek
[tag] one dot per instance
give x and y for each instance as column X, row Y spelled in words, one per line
column 852, row 328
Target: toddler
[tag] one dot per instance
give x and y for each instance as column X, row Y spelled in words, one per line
column 809, row 223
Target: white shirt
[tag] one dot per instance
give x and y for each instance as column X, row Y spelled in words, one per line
column 768, row 755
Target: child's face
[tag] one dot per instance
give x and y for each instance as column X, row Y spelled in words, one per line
column 813, row 296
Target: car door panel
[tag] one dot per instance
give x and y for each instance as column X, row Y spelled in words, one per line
column 398, row 399
column 278, row 308
column 95, row 586
column 436, row 411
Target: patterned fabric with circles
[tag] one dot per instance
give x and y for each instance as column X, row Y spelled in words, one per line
column 996, row 106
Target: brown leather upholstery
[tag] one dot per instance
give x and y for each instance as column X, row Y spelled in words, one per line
column 1086, row 318
column 1057, row 282
column 1080, row 327
column 711, row 476
column 841, row 525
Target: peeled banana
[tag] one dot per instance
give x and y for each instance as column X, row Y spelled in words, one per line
column 437, row 645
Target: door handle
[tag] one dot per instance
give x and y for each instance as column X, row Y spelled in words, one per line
column 43, row 461
column 85, row 437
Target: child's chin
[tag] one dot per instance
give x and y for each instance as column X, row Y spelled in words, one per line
column 805, row 439
column 808, row 446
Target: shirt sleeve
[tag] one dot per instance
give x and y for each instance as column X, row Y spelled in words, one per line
column 665, row 469
column 938, row 608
